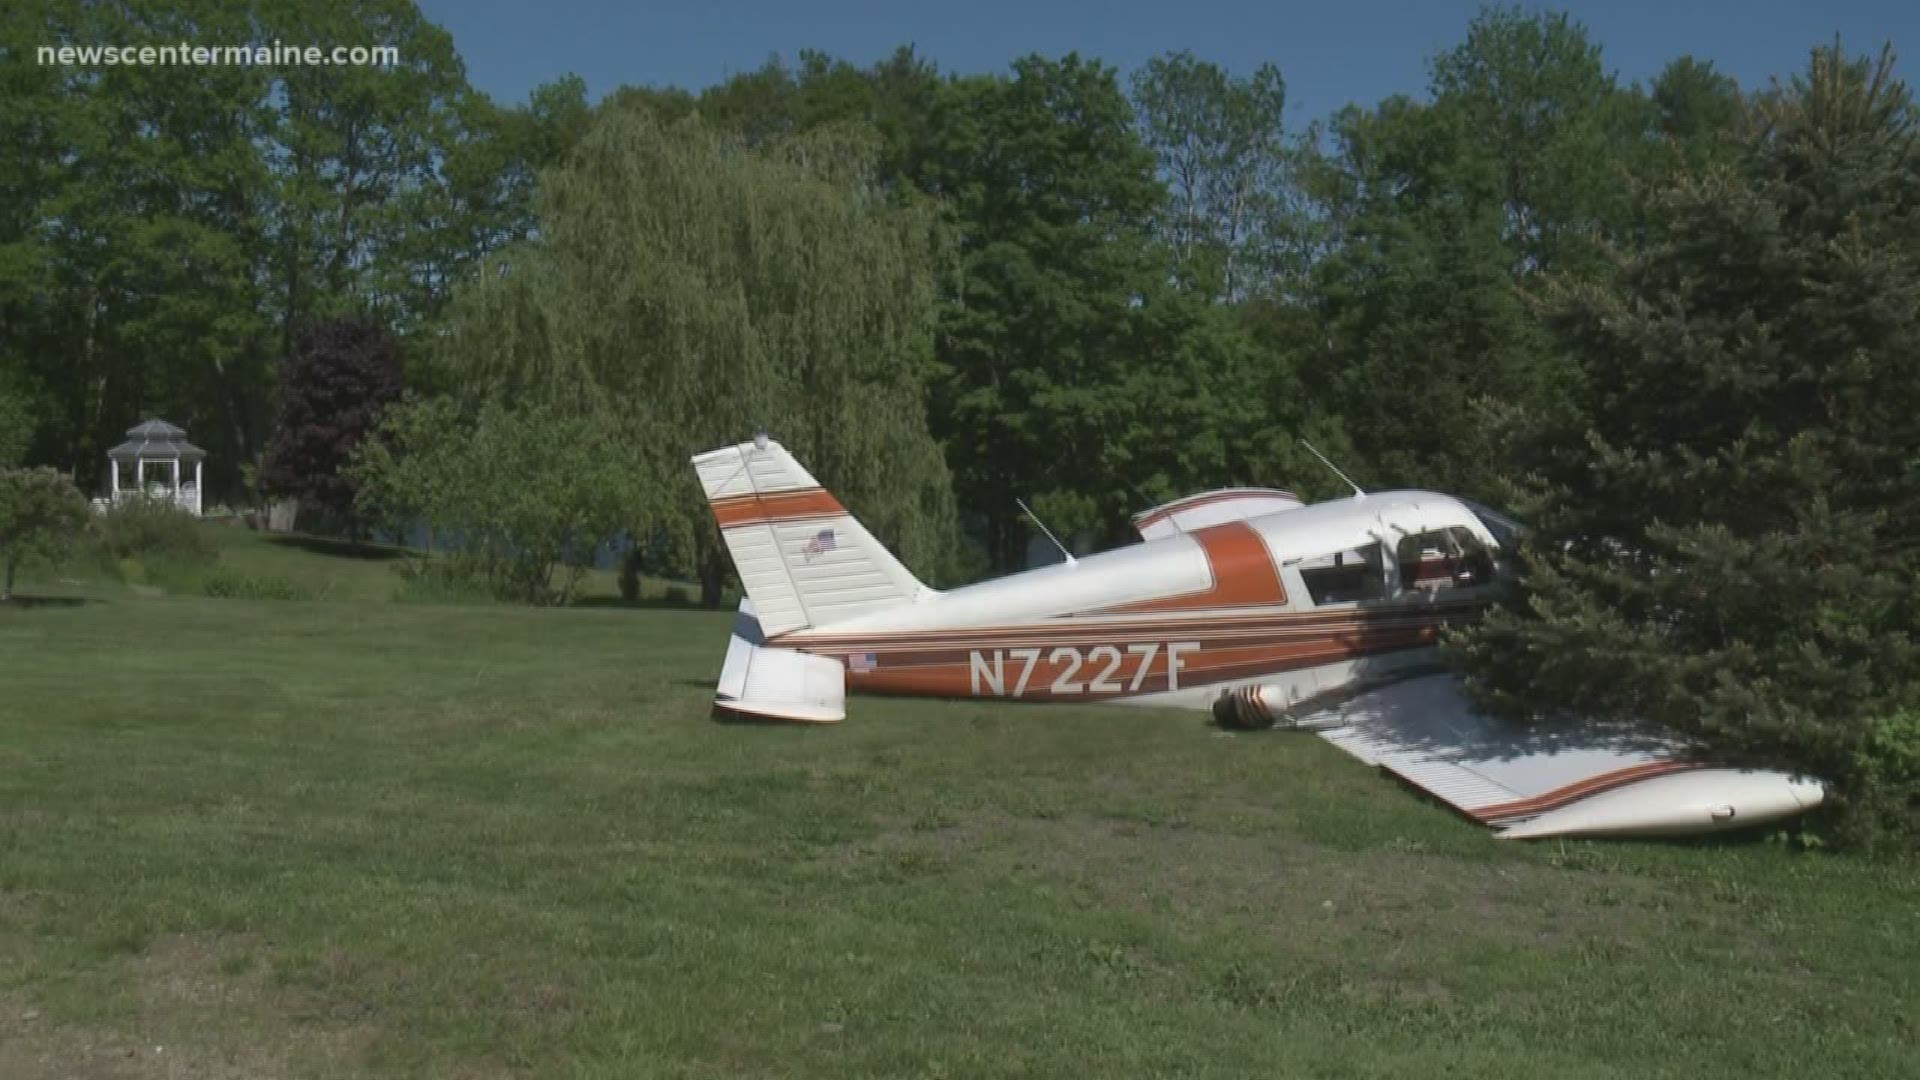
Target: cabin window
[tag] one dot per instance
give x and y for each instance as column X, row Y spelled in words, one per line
column 1345, row 577
column 1444, row 559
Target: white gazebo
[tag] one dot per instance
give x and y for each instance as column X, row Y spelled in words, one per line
column 157, row 442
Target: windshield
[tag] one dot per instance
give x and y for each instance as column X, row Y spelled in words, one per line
column 1503, row 528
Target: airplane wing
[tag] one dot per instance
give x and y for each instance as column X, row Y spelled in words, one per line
column 1528, row 782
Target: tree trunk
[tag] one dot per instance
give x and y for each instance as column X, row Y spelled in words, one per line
column 6, row 587
column 713, row 575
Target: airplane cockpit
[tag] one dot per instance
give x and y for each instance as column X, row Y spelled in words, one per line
column 1441, row 562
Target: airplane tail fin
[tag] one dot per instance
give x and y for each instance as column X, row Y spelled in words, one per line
column 804, row 560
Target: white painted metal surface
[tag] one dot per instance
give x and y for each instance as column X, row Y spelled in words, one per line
column 1679, row 804
column 1242, row 603
column 1212, row 508
column 1552, row 782
column 781, row 684
column 822, row 569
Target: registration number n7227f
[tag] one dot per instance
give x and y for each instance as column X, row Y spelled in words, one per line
column 1102, row 669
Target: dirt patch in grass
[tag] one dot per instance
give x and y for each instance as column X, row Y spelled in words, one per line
column 202, row 1007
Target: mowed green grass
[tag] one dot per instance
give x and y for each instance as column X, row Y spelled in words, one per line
column 259, row 839
column 317, row 568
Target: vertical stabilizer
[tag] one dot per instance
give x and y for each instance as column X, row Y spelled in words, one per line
column 804, row 560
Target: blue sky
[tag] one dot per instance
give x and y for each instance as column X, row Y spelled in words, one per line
column 1330, row 52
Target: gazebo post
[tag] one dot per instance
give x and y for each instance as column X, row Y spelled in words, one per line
column 140, row 475
column 113, row 470
column 198, row 490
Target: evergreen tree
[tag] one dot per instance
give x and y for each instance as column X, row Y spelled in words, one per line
column 1728, row 548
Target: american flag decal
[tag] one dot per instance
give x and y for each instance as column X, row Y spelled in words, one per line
column 861, row 662
column 822, row 542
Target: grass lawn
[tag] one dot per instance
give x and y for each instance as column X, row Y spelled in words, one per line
column 350, row 837
column 312, row 567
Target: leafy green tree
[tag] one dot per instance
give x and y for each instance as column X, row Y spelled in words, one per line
column 1050, row 192
column 1439, row 219
column 1548, row 133
column 691, row 290
column 16, row 422
column 486, row 199
column 893, row 99
column 526, row 495
column 1725, row 545
column 40, row 512
column 126, row 252
column 167, row 231
column 1221, row 148
column 345, row 372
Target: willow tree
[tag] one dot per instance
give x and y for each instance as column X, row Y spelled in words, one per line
column 697, row 291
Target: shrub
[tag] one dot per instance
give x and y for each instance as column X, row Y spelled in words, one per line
column 446, row 579
column 231, row 585
column 147, row 529
column 40, row 514
column 530, row 492
column 1879, row 807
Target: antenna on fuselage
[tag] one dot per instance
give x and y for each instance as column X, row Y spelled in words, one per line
column 1357, row 493
column 1043, row 528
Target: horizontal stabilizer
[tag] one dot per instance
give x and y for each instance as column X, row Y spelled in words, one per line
column 759, row 683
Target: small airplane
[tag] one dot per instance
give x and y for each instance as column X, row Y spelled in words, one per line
column 1268, row 611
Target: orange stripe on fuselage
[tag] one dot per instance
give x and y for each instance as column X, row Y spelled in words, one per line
column 1204, row 624
column 756, row 509
column 944, row 668
column 1242, row 569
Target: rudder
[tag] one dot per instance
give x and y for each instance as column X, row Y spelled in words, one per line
column 803, row 559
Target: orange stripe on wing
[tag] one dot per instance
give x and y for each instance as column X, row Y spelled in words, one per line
column 1592, row 785
column 755, row 509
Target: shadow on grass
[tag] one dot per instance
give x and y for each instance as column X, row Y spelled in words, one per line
column 655, row 603
column 731, row 717
column 341, row 549
column 19, row 601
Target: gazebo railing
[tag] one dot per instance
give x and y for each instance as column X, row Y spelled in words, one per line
column 187, row 498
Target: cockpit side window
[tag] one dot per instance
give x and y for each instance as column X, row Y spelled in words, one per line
column 1444, row 559
column 1346, row 577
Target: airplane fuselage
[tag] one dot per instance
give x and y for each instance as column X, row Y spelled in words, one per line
column 1309, row 599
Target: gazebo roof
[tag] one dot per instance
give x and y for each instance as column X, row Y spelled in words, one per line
column 156, row 440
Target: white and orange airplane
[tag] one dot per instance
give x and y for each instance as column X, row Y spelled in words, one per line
column 1244, row 601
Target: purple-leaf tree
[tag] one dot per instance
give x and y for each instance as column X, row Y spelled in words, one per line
column 342, row 375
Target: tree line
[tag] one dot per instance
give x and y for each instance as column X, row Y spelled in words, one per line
column 1120, row 289
column 1671, row 324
